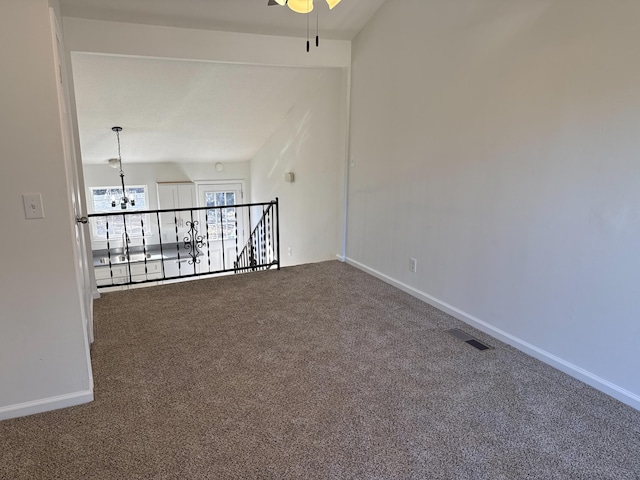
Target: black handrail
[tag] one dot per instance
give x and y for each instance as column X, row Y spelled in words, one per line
column 187, row 209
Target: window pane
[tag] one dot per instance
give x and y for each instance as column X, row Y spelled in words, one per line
column 221, row 221
column 116, row 226
column 103, row 198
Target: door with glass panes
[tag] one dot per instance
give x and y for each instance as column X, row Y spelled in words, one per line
column 224, row 225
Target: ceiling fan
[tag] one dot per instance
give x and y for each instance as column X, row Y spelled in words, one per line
column 304, row 6
column 301, row 6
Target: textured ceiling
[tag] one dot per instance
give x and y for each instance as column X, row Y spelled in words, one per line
column 181, row 110
column 247, row 16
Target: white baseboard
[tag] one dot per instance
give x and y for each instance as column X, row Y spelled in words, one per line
column 575, row 371
column 45, row 404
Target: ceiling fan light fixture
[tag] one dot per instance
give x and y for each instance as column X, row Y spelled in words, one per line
column 301, row 6
column 332, row 3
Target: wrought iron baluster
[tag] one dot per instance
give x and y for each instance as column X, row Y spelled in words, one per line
column 252, row 254
column 261, row 249
column 109, row 251
column 164, row 275
column 224, row 265
column 265, row 252
column 144, row 248
column 235, row 214
column 175, row 221
column 269, row 226
column 193, row 243
column 125, row 245
column 206, row 227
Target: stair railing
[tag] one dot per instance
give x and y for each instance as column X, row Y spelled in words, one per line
column 150, row 246
column 262, row 249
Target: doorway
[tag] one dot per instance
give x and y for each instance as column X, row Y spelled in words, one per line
column 225, row 227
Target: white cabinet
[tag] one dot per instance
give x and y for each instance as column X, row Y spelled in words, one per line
column 175, row 196
column 103, row 275
column 121, row 273
column 154, row 271
column 178, row 268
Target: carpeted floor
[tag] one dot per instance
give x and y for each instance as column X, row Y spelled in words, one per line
column 317, row 371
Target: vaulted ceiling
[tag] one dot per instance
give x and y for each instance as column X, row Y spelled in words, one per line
column 177, row 111
column 194, row 111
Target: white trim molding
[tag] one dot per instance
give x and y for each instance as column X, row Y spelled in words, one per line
column 46, row 404
column 575, row 371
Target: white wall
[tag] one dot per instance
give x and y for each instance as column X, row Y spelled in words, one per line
column 43, row 351
column 311, row 144
column 497, row 142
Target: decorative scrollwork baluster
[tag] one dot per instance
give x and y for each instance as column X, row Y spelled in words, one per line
column 193, row 242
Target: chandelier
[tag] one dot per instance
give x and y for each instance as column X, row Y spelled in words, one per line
column 124, row 200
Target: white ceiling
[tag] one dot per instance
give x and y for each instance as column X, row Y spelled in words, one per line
column 176, row 111
column 247, row 16
column 194, row 111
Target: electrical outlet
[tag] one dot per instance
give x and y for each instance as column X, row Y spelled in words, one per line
column 289, row 251
column 413, row 265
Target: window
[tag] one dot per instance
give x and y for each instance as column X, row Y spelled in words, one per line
column 217, row 224
column 102, row 199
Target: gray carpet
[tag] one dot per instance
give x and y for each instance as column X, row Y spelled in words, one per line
column 317, row 371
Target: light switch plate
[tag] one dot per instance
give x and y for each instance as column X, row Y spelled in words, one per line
column 32, row 205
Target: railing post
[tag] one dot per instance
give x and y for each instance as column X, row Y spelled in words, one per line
column 278, row 231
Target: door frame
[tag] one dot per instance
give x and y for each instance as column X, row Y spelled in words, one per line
column 75, row 187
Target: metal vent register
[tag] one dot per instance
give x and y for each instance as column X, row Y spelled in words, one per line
column 465, row 337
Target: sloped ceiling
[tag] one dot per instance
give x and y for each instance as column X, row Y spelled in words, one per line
column 181, row 110
column 194, row 111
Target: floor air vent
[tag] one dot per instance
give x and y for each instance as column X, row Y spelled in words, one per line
column 465, row 337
